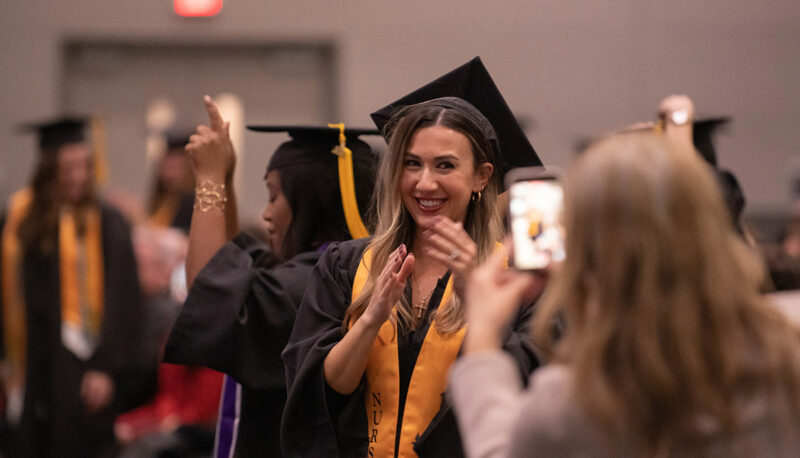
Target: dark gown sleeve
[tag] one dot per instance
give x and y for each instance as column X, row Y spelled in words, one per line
column 519, row 345
column 119, row 353
column 239, row 313
column 317, row 422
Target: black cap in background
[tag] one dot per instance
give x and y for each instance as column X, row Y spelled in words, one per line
column 55, row 133
column 177, row 139
column 702, row 135
column 472, row 83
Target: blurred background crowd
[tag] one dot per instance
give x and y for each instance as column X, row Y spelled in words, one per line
column 570, row 71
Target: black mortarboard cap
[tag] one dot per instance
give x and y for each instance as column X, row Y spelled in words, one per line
column 471, row 82
column 702, row 135
column 733, row 195
column 313, row 144
column 178, row 139
column 55, row 133
column 703, row 131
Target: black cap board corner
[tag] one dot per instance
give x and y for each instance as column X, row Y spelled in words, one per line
column 177, row 138
column 703, row 131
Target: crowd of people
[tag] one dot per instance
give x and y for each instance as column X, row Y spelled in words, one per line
column 381, row 315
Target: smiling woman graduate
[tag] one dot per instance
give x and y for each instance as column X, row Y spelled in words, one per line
column 381, row 321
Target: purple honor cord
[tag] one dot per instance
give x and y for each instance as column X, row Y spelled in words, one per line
column 228, row 420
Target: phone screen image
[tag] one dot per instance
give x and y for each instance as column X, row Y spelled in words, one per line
column 535, row 222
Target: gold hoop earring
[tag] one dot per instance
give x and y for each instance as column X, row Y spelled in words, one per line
column 476, row 196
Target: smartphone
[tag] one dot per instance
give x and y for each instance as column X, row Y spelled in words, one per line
column 536, row 202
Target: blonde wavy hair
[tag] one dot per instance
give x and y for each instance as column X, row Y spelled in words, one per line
column 660, row 298
column 394, row 225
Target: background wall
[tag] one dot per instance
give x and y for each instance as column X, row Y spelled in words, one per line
column 574, row 68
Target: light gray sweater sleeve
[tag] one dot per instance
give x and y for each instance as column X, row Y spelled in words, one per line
column 486, row 392
column 498, row 418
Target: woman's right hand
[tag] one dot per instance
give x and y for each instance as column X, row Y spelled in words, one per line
column 389, row 286
column 210, row 148
column 344, row 366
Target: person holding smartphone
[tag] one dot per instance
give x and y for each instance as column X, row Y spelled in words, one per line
column 668, row 348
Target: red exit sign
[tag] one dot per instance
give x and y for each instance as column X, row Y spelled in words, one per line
column 197, row 8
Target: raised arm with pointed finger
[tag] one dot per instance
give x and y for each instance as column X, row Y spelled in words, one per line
column 214, row 219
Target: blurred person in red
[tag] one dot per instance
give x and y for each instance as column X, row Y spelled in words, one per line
column 180, row 418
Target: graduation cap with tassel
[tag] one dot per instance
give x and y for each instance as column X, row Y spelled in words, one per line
column 315, row 144
column 471, row 83
column 54, row 133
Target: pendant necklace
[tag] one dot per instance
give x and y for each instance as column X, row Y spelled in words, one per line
column 422, row 305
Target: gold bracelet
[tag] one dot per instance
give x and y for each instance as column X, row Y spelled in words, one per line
column 209, row 196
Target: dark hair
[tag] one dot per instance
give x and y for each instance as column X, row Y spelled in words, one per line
column 159, row 189
column 39, row 228
column 317, row 215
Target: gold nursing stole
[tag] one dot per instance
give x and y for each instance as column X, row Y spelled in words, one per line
column 427, row 387
column 75, row 287
column 165, row 213
column 15, row 332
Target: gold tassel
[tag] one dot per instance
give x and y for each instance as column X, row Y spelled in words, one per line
column 99, row 145
column 347, row 186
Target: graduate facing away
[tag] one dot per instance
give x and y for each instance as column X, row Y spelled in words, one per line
column 382, row 321
column 243, row 293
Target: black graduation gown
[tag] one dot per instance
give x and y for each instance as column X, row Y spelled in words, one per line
column 237, row 318
column 320, row 422
column 54, row 422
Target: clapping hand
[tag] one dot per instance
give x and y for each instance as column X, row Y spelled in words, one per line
column 389, row 286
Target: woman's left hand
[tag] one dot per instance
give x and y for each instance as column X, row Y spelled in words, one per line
column 448, row 242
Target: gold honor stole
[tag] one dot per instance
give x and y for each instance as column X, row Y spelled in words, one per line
column 165, row 213
column 71, row 290
column 428, row 380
